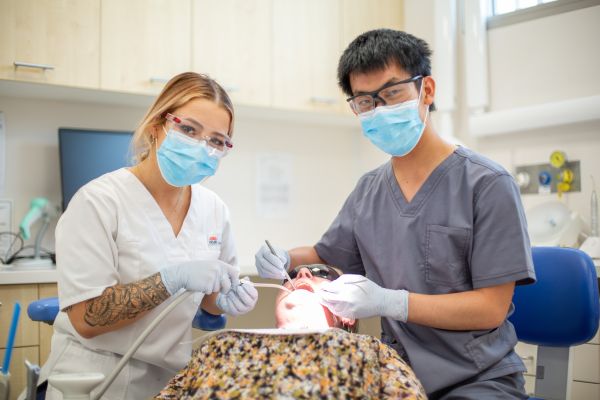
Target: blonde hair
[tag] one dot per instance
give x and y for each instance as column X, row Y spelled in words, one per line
column 180, row 90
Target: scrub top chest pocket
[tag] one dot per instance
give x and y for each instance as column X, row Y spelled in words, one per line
column 445, row 255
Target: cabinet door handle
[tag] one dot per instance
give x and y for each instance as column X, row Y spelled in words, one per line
column 32, row 65
column 158, row 79
column 323, row 100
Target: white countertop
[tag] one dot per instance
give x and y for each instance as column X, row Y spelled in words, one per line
column 23, row 276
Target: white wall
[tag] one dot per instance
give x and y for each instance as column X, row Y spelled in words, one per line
column 539, row 61
column 544, row 60
column 32, row 164
column 327, row 161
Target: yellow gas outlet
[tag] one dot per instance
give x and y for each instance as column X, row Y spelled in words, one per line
column 558, row 158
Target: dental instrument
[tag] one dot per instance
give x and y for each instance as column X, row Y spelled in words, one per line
column 178, row 300
column 11, row 337
column 287, row 275
column 73, row 378
column 591, row 245
column 4, row 374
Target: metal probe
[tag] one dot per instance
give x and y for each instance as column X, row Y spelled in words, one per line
column 284, row 270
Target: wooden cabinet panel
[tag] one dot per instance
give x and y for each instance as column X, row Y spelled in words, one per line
column 585, row 391
column 27, row 330
column 18, row 373
column 144, row 43
column 46, row 331
column 231, row 42
column 361, row 16
column 586, row 363
column 306, row 50
column 264, row 52
column 62, row 34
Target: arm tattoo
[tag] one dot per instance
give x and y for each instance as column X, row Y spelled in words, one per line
column 122, row 302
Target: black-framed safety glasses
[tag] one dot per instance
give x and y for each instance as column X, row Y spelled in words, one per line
column 318, row 270
column 389, row 94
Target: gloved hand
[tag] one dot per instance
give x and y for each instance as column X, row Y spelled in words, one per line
column 269, row 265
column 354, row 296
column 239, row 300
column 206, row 276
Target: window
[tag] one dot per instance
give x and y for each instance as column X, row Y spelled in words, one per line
column 500, row 7
column 508, row 12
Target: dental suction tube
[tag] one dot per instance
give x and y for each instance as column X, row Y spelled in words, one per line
column 178, row 300
column 127, row 356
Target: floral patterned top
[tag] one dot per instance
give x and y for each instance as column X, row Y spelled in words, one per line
column 330, row 365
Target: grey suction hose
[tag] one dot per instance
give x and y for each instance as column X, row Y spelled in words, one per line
column 109, row 380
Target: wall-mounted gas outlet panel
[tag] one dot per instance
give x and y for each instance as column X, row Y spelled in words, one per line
column 543, row 178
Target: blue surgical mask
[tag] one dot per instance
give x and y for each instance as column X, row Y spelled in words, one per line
column 395, row 129
column 183, row 161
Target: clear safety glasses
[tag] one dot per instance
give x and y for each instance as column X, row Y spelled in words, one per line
column 389, row 94
column 318, row 270
column 218, row 144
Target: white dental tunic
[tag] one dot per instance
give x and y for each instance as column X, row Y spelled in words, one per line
column 114, row 232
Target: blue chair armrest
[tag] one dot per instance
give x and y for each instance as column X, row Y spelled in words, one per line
column 208, row 322
column 44, row 310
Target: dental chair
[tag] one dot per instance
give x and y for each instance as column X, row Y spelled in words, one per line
column 46, row 310
column 557, row 312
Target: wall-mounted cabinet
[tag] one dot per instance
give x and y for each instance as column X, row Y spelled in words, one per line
column 144, row 43
column 50, row 41
column 277, row 53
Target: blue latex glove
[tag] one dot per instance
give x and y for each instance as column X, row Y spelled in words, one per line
column 269, row 265
column 206, row 276
column 354, row 296
column 239, row 300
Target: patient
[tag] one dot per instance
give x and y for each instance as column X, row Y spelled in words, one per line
column 307, row 357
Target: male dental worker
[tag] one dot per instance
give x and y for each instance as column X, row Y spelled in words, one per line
column 433, row 241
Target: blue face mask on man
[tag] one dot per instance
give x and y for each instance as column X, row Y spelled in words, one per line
column 183, row 161
column 395, row 129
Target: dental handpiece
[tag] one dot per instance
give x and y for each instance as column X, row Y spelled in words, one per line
column 269, row 285
column 287, row 275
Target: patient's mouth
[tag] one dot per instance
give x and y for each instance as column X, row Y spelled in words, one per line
column 304, row 286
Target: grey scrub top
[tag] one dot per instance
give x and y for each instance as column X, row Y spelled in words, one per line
column 464, row 229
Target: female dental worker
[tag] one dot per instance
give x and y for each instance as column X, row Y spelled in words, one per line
column 133, row 238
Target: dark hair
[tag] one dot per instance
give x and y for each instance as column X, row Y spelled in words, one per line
column 377, row 49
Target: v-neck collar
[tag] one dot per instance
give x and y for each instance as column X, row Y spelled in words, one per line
column 427, row 188
column 155, row 213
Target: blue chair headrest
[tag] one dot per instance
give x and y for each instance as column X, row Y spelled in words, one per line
column 561, row 308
